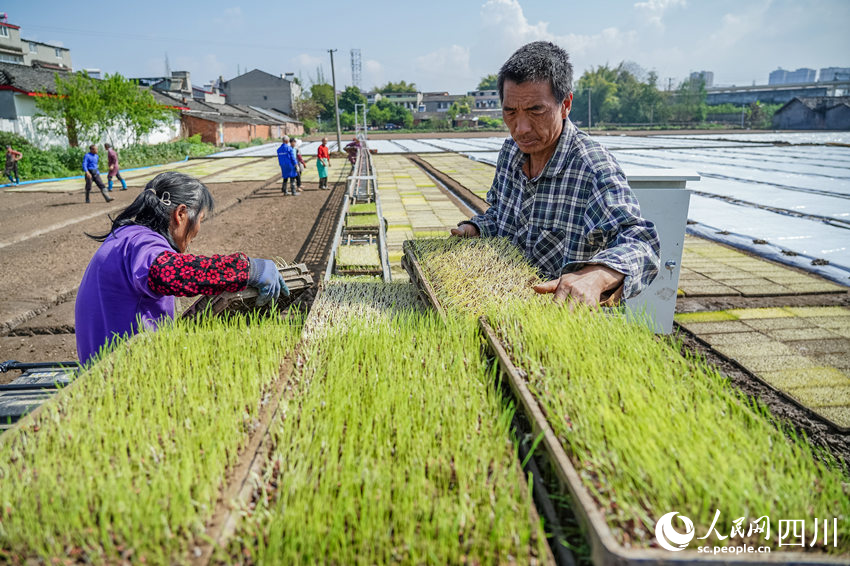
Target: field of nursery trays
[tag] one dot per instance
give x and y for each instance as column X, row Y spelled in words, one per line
column 423, row 405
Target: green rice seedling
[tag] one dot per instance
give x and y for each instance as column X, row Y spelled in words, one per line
column 395, row 449
column 651, row 431
column 127, row 465
column 470, row 275
column 648, row 430
column 356, row 298
column 367, row 207
column 356, row 257
column 361, row 220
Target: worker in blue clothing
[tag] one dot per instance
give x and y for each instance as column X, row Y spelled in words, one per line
column 288, row 165
column 93, row 174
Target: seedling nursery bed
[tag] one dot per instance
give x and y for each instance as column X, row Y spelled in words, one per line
column 638, row 434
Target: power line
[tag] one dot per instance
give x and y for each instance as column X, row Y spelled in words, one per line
column 157, row 38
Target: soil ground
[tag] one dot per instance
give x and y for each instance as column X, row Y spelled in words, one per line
column 43, row 243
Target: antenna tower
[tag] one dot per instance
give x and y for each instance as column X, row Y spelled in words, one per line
column 356, row 68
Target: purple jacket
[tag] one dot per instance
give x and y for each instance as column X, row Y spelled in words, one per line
column 114, row 298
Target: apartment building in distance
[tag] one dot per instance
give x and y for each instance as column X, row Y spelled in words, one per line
column 18, row 50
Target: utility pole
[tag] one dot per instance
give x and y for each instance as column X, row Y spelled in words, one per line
column 336, row 103
column 589, row 92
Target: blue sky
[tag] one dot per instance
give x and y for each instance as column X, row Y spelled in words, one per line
column 441, row 45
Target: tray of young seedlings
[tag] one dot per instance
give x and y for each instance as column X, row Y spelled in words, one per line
column 296, row 276
column 410, row 263
column 394, row 448
column 357, row 259
column 639, row 435
column 127, row 464
column 361, row 223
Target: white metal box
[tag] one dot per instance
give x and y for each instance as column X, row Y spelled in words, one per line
column 664, row 200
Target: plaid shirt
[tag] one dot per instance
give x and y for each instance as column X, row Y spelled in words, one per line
column 578, row 210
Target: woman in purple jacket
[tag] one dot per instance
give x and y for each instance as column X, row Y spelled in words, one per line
column 142, row 264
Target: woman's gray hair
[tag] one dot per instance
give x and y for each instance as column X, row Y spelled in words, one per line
column 537, row 62
column 153, row 206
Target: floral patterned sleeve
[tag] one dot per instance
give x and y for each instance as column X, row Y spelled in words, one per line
column 186, row 275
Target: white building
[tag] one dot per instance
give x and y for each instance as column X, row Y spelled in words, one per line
column 19, row 51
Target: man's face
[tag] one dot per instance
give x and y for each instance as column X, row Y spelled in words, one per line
column 533, row 116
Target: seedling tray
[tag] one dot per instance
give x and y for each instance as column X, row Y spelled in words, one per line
column 417, row 277
column 605, row 549
column 297, row 278
column 16, row 404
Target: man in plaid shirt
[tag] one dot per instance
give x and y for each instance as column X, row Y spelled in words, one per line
column 560, row 196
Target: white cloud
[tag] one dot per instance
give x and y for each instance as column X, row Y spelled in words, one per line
column 230, row 17
column 204, row 69
column 307, row 60
column 654, row 10
column 504, row 28
column 447, row 63
column 735, row 27
column 373, row 74
column 508, row 19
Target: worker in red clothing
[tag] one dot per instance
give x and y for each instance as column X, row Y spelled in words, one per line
column 112, row 160
column 323, row 161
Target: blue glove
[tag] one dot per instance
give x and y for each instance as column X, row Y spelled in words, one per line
column 267, row 279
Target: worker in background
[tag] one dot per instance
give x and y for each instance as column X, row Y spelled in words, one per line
column 288, row 166
column 12, row 158
column 351, row 150
column 323, row 161
column 300, row 163
column 90, row 168
column 112, row 161
column 142, row 264
column 558, row 194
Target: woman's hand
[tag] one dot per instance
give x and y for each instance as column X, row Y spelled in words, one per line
column 267, row 279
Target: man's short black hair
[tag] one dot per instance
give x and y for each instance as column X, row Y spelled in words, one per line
column 539, row 61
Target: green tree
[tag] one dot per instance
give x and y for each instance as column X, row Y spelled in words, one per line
column 346, row 120
column 600, row 84
column 307, row 109
column 384, row 112
column 688, row 103
column 400, row 86
column 323, row 95
column 349, row 97
column 86, row 109
column 75, row 111
column 618, row 95
column 130, row 108
column 490, row 82
column 462, row 105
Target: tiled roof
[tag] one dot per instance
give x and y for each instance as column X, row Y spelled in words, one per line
column 28, row 79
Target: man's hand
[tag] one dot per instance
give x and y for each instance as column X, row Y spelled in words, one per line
column 586, row 285
column 88, row 175
column 466, row 231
